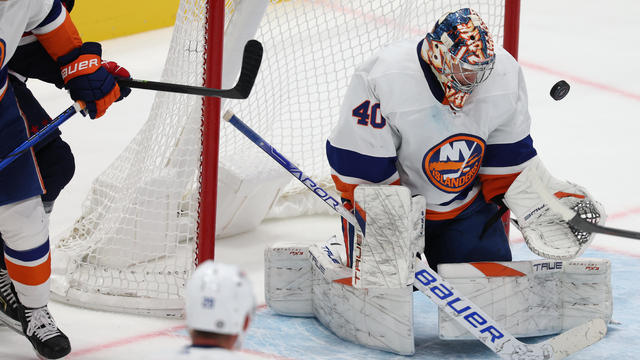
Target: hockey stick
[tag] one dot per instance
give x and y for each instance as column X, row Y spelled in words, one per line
column 466, row 313
column 251, row 59
column 37, row 137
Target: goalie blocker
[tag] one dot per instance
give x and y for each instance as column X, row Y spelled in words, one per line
column 372, row 304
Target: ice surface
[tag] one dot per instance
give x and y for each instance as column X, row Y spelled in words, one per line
column 590, row 138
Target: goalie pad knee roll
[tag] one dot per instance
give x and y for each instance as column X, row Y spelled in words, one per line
column 544, row 230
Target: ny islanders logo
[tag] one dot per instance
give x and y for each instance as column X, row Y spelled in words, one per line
column 454, row 163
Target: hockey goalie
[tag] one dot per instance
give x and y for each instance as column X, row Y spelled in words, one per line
column 371, row 302
column 431, row 147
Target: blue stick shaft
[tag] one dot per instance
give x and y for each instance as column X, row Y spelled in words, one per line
column 289, row 166
column 37, row 137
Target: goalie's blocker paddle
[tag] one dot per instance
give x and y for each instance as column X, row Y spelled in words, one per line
column 251, row 59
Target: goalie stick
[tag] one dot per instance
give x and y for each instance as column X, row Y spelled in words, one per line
column 466, row 313
column 251, row 59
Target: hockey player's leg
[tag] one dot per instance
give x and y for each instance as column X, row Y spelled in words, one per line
column 57, row 166
column 54, row 156
column 24, row 227
column 8, row 297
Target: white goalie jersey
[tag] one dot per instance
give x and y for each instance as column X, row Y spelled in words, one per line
column 393, row 129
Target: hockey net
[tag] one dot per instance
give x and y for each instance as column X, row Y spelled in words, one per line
column 135, row 244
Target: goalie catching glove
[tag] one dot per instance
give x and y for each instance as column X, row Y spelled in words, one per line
column 544, row 230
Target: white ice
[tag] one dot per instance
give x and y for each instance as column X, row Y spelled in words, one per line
column 590, row 137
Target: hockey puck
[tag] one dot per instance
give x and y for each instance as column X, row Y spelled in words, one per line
column 559, row 90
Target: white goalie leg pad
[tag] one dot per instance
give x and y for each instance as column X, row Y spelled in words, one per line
column 287, row 279
column 544, row 231
column 393, row 233
column 379, row 318
column 287, row 275
column 531, row 298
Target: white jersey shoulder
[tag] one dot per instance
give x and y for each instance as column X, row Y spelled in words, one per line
column 16, row 17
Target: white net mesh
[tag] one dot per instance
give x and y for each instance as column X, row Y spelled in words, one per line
column 311, row 50
column 134, row 246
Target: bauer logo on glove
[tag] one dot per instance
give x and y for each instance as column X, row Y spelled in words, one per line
column 80, row 67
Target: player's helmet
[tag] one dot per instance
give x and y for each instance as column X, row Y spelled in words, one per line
column 460, row 49
column 219, row 298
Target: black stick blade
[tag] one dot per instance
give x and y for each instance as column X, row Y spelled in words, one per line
column 251, row 60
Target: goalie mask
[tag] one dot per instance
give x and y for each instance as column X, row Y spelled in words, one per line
column 219, row 299
column 460, row 51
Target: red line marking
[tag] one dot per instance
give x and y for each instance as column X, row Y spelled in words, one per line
column 622, row 214
column 155, row 334
column 580, row 80
column 125, row 341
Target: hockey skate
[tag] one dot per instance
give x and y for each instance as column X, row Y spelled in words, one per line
column 9, row 303
column 47, row 340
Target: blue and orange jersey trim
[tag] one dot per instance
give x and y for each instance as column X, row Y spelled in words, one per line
column 349, row 163
column 57, row 33
column 29, row 267
column 348, row 230
column 495, row 185
column 510, row 154
column 348, row 233
column 434, row 215
column 4, row 72
column 502, row 164
column 32, row 151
